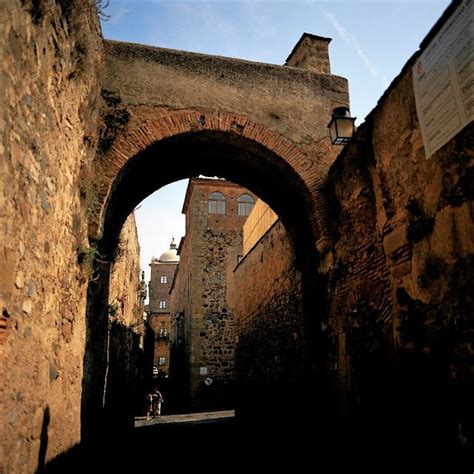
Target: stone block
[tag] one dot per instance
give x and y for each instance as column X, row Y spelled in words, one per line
column 7, row 270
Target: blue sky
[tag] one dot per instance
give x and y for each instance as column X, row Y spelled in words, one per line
column 372, row 40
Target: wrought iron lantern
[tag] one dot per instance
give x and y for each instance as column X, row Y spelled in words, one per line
column 341, row 127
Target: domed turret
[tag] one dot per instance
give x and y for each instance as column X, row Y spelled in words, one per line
column 171, row 255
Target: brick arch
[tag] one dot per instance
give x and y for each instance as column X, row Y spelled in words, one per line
column 129, row 171
column 144, row 130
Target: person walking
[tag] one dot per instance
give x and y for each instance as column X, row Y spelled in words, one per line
column 157, row 401
column 149, row 405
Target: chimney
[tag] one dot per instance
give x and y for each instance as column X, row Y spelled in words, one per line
column 311, row 52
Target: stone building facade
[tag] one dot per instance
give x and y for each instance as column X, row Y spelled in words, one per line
column 203, row 325
column 159, row 307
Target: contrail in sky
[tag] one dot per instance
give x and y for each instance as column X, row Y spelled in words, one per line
column 351, row 40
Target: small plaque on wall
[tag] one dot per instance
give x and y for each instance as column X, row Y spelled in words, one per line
column 203, row 370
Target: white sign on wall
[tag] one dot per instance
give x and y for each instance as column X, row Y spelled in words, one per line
column 443, row 80
column 203, row 370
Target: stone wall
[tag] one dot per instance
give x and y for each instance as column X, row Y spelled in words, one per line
column 217, row 333
column 395, row 353
column 265, row 294
column 50, row 56
column 180, row 341
column 400, row 272
column 124, row 292
column 125, row 382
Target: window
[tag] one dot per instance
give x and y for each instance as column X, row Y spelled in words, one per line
column 216, row 203
column 245, row 204
column 162, row 360
column 162, row 304
column 164, row 279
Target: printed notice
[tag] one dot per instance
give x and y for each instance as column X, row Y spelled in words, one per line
column 443, row 80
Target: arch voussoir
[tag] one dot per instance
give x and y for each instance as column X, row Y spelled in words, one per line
column 141, row 134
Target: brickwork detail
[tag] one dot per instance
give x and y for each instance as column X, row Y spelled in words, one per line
column 142, row 132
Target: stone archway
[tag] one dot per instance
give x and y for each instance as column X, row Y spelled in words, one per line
column 222, row 148
column 144, row 130
column 171, row 115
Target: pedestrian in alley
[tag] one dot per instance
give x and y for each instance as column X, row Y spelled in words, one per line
column 157, row 401
column 149, row 405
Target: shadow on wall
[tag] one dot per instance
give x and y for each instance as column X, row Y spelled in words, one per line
column 125, row 385
column 43, row 441
column 69, row 461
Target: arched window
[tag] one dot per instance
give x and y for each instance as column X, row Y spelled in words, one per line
column 245, row 203
column 162, row 304
column 216, row 203
column 164, row 279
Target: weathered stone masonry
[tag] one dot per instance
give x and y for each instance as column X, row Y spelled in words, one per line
column 125, row 379
column 192, row 106
column 203, row 95
column 397, row 338
column 400, row 271
column 50, row 66
column 51, row 54
column 266, row 297
column 395, row 231
column 199, row 294
column 159, row 307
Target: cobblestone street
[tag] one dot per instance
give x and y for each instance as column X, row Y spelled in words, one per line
column 185, row 418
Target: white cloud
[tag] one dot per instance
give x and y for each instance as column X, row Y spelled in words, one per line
column 351, row 40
